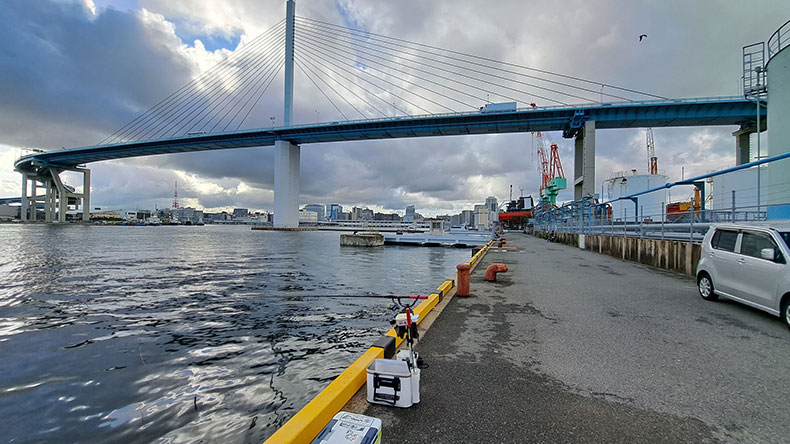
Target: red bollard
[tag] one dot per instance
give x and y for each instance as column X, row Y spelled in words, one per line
column 463, row 280
column 493, row 269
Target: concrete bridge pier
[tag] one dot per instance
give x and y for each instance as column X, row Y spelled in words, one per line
column 56, row 197
column 286, row 184
column 742, row 144
column 286, row 154
column 25, row 207
column 584, row 162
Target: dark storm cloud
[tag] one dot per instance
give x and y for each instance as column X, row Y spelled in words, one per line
column 68, row 78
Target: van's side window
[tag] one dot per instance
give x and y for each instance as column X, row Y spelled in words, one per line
column 724, row 240
column 753, row 243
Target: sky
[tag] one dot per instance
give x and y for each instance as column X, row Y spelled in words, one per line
column 74, row 71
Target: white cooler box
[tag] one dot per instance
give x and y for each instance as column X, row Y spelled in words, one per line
column 391, row 383
column 350, row 428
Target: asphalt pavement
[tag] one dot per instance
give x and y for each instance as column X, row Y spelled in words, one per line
column 571, row 346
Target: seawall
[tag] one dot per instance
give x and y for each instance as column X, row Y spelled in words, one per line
column 673, row 255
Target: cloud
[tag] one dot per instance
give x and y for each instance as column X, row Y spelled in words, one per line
column 71, row 72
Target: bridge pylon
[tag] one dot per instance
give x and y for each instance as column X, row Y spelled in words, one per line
column 287, row 154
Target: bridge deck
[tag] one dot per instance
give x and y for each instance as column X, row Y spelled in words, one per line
column 689, row 112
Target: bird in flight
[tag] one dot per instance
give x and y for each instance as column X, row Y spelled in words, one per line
column 642, row 36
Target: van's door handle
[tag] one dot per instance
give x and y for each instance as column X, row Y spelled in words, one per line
column 740, row 260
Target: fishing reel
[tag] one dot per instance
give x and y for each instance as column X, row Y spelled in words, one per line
column 405, row 321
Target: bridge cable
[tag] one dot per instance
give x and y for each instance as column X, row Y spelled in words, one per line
column 314, row 63
column 214, row 87
column 254, row 80
column 218, row 89
column 217, row 68
column 319, row 89
column 187, row 108
column 579, row 79
column 499, row 85
column 258, row 98
column 333, row 90
column 166, row 113
column 477, row 88
column 324, row 49
column 317, row 54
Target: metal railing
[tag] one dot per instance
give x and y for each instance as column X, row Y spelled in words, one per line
column 779, row 39
column 688, row 225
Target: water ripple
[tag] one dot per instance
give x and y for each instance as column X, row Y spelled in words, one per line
column 185, row 334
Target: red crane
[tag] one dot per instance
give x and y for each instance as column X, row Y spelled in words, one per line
column 554, row 163
column 652, row 160
column 543, row 162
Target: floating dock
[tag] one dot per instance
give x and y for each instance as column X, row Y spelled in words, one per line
column 450, row 239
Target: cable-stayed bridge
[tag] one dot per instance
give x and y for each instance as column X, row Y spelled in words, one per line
column 380, row 87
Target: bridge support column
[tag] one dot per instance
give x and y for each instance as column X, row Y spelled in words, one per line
column 584, row 162
column 86, row 194
column 49, row 202
column 34, row 203
column 25, row 206
column 742, row 144
column 286, row 184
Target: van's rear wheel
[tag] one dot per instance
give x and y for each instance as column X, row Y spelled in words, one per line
column 705, row 287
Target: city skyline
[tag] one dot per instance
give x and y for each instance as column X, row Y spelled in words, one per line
column 167, row 43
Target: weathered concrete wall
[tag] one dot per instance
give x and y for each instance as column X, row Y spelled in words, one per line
column 362, row 240
column 678, row 256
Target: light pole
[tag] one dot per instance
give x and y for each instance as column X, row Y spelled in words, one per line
column 759, row 71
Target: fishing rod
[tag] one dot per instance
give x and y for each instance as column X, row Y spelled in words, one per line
column 393, row 297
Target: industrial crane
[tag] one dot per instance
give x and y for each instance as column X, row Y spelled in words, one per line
column 652, row 160
column 552, row 177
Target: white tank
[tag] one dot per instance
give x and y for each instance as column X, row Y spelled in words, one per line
column 775, row 186
column 743, row 183
column 649, row 206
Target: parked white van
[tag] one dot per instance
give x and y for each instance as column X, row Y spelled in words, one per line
column 748, row 263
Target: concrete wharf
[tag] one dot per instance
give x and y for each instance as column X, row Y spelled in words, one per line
column 574, row 346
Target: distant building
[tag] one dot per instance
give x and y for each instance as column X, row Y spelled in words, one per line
column 409, row 217
column 333, row 210
column 240, row 212
column 138, row 215
column 308, row 216
column 187, row 215
column 356, row 213
column 455, row 220
column 367, row 214
column 386, row 216
column 481, row 217
column 468, row 218
column 491, row 204
column 219, row 217
column 318, row 209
